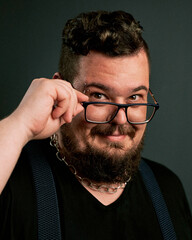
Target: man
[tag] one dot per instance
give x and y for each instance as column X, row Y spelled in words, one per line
column 96, row 109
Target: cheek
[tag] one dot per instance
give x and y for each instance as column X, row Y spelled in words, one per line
column 78, row 123
column 80, row 127
column 140, row 130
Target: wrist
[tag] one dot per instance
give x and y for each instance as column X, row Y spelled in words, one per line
column 14, row 126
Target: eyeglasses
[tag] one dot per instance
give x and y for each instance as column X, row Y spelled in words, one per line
column 105, row 112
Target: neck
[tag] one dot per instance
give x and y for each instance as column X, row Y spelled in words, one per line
column 104, row 197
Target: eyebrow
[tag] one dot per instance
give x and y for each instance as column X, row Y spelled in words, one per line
column 142, row 87
column 107, row 88
column 98, row 85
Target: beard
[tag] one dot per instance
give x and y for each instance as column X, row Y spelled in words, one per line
column 111, row 164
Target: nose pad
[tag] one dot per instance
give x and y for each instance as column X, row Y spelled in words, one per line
column 120, row 118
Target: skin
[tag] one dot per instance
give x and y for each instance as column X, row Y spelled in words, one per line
column 120, row 80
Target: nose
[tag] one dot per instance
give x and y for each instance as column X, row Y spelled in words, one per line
column 120, row 118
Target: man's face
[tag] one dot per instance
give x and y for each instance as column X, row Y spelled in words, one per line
column 122, row 80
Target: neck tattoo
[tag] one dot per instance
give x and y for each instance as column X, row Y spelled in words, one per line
column 103, row 188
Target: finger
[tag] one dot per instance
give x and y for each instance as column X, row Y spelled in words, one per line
column 61, row 108
column 67, row 117
column 65, row 100
column 81, row 97
column 79, row 108
column 67, row 86
column 68, row 101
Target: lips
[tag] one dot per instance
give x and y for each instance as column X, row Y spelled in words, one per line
column 116, row 138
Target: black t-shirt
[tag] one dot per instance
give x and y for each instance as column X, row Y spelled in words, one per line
column 83, row 217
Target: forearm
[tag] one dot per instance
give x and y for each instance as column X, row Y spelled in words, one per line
column 12, row 140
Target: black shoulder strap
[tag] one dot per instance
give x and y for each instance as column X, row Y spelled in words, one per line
column 46, row 197
column 159, row 204
column 47, row 204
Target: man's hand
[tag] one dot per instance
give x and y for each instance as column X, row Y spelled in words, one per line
column 46, row 106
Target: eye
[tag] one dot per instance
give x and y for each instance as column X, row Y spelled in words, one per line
column 135, row 97
column 95, row 96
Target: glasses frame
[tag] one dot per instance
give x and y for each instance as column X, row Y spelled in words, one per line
column 125, row 106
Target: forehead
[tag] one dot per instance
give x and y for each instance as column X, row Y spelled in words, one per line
column 118, row 73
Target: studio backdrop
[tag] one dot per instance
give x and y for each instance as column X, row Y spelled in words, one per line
column 30, row 42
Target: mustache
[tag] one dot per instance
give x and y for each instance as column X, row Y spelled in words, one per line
column 105, row 130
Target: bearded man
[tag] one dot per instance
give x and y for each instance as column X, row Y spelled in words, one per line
column 95, row 111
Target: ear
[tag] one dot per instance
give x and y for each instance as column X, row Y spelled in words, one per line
column 57, row 76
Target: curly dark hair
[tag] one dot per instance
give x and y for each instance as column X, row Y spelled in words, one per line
column 112, row 33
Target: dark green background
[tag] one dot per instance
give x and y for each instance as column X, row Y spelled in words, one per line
column 30, row 39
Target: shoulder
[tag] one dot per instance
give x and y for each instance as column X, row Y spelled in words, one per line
column 170, row 186
column 162, row 173
column 166, row 178
column 175, row 198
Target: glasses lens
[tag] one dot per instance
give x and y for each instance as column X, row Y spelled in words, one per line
column 100, row 112
column 140, row 113
column 103, row 112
